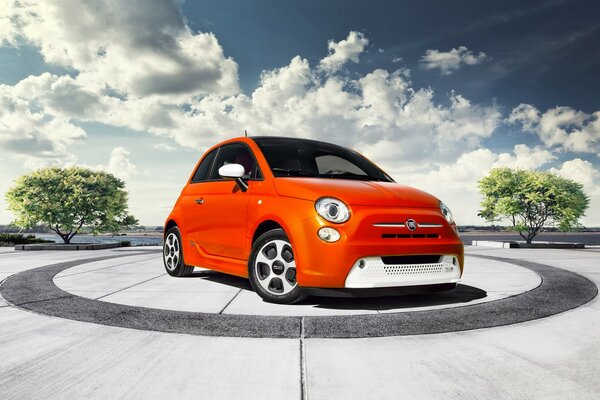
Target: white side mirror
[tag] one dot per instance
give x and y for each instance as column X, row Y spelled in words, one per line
column 232, row 171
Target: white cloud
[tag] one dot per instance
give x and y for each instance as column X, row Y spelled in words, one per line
column 164, row 147
column 33, row 133
column 449, row 61
column 583, row 172
column 563, row 128
column 343, row 51
column 137, row 48
column 120, row 165
column 380, row 113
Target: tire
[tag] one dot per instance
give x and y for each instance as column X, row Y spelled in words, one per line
column 272, row 269
column 173, row 255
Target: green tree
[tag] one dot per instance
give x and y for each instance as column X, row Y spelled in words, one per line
column 532, row 199
column 68, row 199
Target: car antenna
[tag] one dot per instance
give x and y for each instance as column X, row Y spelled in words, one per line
column 245, row 133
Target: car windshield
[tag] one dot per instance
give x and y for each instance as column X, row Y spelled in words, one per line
column 307, row 158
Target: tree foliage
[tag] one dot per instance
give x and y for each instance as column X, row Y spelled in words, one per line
column 67, row 199
column 532, row 199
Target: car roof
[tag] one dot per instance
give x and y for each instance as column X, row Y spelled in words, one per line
column 259, row 139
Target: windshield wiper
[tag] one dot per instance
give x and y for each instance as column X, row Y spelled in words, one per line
column 292, row 172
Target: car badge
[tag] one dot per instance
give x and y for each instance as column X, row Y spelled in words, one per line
column 411, row 224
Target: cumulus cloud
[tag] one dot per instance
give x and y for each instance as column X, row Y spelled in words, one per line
column 581, row 171
column 32, row 132
column 137, row 48
column 343, row 51
column 563, row 128
column 449, row 61
column 120, row 165
column 584, row 172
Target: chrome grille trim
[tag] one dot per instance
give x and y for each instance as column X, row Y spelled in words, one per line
column 389, row 225
column 403, row 225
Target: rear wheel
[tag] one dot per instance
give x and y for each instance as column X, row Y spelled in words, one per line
column 173, row 254
column 272, row 269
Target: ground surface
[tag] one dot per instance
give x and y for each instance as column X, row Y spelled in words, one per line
column 47, row 357
column 588, row 238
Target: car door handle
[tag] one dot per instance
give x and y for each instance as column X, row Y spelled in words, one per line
column 200, row 201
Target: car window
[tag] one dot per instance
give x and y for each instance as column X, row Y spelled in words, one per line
column 330, row 164
column 290, row 157
column 203, row 170
column 236, row 153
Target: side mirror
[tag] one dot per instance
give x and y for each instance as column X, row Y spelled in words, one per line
column 234, row 171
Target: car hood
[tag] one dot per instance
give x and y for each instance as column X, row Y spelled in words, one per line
column 354, row 192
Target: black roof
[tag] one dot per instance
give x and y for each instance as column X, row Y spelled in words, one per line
column 276, row 139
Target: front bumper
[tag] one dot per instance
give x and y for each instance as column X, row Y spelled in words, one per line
column 368, row 236
column 373, row 272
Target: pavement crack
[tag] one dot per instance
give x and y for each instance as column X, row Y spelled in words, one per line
column 39, row 301
column 303, row 376
column 129, row 287
column 230, row 301
column 102, row 268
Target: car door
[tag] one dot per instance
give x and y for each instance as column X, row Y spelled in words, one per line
column 192, row 213
column 222, row 230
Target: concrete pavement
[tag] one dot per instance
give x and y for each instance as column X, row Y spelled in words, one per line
column 50, row 357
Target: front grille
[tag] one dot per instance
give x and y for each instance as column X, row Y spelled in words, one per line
column 411, row 259
column 410, row 236
column 422, row 269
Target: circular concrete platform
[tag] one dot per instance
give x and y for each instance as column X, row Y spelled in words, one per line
column 141, row 281
column 131, row 290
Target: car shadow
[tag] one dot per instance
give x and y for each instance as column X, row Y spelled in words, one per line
column 460, row 295
column 224, row 279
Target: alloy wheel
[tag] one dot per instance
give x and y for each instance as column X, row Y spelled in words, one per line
column 171, row 252
column 275, row 267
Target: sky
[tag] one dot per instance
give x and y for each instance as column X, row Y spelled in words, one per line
column 437, row 93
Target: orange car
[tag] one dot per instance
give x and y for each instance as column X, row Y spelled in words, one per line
column 300, row 217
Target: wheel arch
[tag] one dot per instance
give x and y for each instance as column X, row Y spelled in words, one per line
column 265, row 226
column 168, row 225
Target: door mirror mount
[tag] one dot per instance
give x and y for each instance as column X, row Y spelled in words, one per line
column 235, row 172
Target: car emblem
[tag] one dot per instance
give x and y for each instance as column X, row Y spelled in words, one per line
column 411, row 224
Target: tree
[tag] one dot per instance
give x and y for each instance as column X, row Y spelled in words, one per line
column 530, row 199
column 69, row 199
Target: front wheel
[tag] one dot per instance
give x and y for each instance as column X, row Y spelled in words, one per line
column 173, row 254
column 272, row 269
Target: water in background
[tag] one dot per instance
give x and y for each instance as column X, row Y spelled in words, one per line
column 138, row 240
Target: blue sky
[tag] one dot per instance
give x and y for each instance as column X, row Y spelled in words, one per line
column 436, row 92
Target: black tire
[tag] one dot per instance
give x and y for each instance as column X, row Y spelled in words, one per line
column 173, row 255
column 275, row 282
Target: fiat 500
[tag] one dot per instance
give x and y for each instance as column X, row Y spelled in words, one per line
column 300, row 217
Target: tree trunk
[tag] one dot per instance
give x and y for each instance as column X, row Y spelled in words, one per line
column 530, row 236
column 66, row 239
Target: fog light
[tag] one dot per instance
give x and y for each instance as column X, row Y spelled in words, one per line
column 328, row 234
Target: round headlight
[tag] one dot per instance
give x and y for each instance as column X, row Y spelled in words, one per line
column 333, row 210
column 446, row 212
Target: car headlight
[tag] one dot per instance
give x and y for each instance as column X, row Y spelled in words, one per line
column 333, row 210
column 446, row 212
